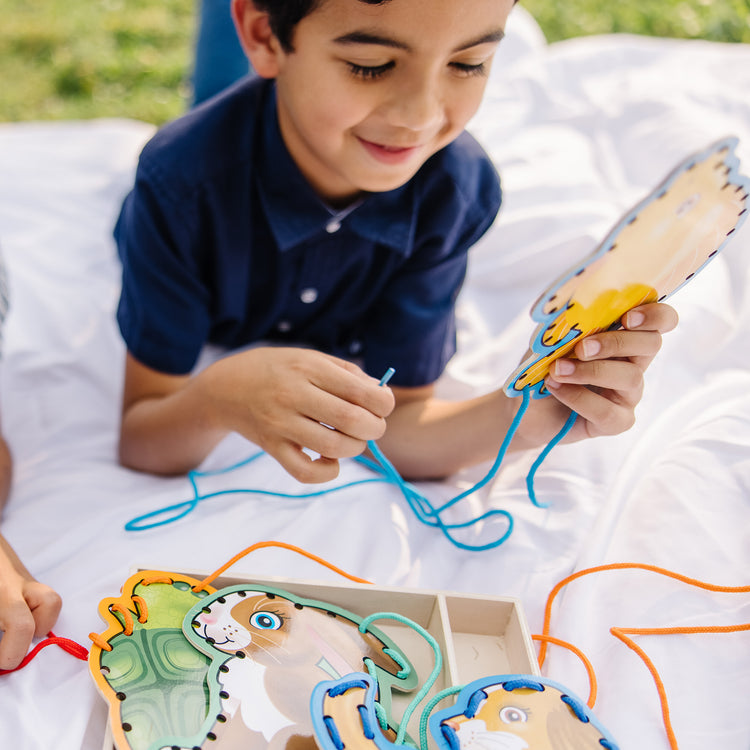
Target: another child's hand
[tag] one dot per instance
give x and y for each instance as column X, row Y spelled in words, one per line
column 287, row 399
column 605, row 383
column 28, row 609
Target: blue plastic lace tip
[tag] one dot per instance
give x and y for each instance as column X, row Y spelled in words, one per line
column 388, row 375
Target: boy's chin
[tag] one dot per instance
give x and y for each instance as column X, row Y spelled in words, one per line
column 363, row 181
column 386, row 182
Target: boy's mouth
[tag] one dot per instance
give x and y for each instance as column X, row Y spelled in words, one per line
column 389, row 154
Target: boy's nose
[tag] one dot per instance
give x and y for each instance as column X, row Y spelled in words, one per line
column 417, row 107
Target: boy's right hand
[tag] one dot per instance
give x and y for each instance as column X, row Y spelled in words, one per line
column 288, row 399
column 285, row 400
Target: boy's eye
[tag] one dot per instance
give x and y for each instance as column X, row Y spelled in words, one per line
column 467, row 69
column 369, row 72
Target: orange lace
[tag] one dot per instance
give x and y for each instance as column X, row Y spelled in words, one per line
column 283, row 545
column 623, row 633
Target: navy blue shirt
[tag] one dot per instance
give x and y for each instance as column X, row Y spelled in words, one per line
column 223, row 241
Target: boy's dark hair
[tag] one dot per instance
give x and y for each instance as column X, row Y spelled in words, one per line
column 284, row 15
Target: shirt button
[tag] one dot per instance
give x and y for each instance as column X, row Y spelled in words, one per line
column 284, row 326
column 355, row 347
column 333, row 226
column 309, row 295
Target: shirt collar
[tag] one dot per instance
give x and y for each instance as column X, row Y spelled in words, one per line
column 295, row 213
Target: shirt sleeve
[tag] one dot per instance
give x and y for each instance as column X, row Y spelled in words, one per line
column 413, row 328
column 163, row 313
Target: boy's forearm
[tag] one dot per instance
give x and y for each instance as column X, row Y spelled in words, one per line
column 432, row 438
column 169, row 434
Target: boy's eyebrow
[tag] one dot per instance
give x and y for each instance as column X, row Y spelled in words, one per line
column 489, row 38
column 366, row 37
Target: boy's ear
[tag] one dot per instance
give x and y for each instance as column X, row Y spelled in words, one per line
column 258, row 41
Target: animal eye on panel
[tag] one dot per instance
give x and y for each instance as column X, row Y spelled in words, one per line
column 266, row 620
column 513, row 715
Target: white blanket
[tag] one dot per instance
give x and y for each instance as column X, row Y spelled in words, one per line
column 580, row 131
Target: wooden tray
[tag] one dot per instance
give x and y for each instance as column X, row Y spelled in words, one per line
column 478, row 635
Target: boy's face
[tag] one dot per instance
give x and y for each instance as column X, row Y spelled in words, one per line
column 369, row 93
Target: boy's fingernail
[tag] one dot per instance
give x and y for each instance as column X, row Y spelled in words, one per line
column 553, row 384
column 564, row 367
column 634, row 318
column 591, row 347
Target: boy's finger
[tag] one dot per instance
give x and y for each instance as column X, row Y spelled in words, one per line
column 45, row 605
column 652, row 317
column 621, row 376
column 600, row 415
column 619, row 344
column 16, row 637
column 331, row 443
column 356, row 387
column 304, row 468
column 319, row 437
column 345, row 417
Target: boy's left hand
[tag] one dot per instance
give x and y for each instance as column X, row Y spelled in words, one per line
column 605, row 383
column 430, row 438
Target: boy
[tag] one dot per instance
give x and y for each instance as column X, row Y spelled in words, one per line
column 328, row 206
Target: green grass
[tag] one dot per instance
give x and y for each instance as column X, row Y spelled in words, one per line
column 72, row 59
column 715, row 20
column 98, row 58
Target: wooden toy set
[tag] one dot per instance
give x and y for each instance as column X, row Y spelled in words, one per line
column 271, row 663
